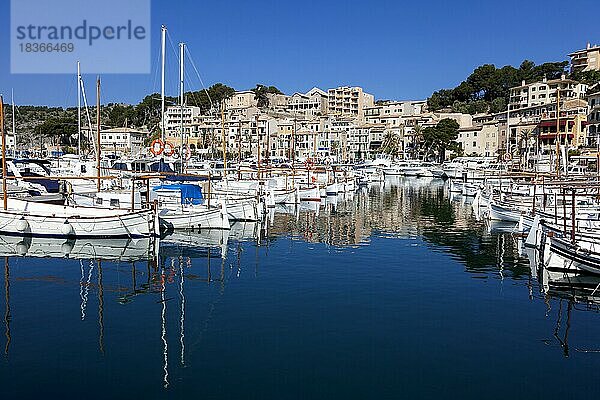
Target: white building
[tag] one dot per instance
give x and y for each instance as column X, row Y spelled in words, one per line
column 173, row 121
column 587, row 59
column 349, row 101
column 310, row 104
column 122, row 141
column 594, row 115
column 391, row 109
column 545, row 92
column 244, row 99
column 480, row 139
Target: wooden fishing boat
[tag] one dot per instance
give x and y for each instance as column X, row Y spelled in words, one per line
column 25, row 218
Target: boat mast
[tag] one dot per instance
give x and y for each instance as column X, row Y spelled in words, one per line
column 258, row 151
column 87, row 112
column 14, row 135
column 557, row 139
column 163, row 31
column 508, row 128
column 181, row 100
column 240, row 149
column 78, row 109
column 224, row 138
column 3, row 151
column 98, row 132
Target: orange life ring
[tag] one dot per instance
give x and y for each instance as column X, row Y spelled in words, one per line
column 154, row 150
column 169, row 149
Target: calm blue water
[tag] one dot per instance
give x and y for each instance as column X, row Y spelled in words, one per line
column 395, row 292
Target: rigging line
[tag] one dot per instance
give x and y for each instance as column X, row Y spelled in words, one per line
column 175, row 56
column 200, row 78
column 190, row 84
column 155, row 74
column 68, row 96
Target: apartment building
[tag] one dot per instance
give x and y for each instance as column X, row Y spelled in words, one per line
column 278, row 101
column 175, row 117
column 545, row 92
column 310, row 104
column 587, row 59
column 122, row 141
column 480, row 139
column 239, row 100
column 394, row 111
column 349, row 101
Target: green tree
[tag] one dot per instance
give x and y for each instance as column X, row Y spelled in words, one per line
column 587, row 77
column 261, row 92
column 61, row 130
column 438, row 138
column 213, row 97
column 121, row 114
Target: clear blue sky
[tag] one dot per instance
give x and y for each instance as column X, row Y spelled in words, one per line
column 393, row 49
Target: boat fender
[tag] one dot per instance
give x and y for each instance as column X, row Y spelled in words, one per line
column 67, row 229
column 23, row 247
column 22, row 225
column 67, row 247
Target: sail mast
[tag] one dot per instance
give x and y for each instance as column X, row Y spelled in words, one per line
column 163, row 31
column 181, row 100
column 3, row 151
column 224, row 138
column 78, row 109
column 98, row 132
column 557, row 138
column 14, row 135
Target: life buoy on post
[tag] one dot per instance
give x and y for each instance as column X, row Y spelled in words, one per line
column 157, row 147
column 168, row 149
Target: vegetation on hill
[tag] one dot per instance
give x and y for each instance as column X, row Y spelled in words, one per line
column 487, row 88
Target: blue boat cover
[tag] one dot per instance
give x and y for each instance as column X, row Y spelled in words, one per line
column 160, row 166
column 190, row 194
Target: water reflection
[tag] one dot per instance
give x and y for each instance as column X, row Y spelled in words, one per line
column 7, row 315
column 419, row 211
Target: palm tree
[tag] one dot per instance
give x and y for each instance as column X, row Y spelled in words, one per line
column 417, row 136
column 523, row 147
column 390, row 144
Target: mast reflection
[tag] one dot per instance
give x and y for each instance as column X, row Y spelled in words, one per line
column 7, row 315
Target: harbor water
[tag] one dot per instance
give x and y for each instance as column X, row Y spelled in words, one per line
column 396, row 291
